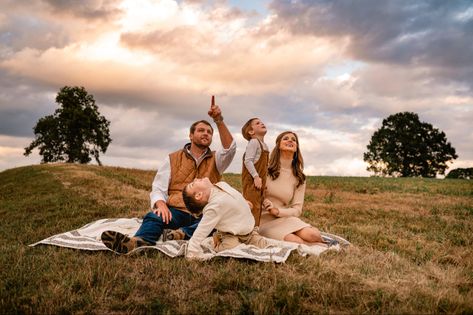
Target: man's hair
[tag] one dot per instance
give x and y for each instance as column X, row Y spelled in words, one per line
column 245, row 130
column 194, row 206
column 194, row 125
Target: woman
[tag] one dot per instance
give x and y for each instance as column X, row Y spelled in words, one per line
column 285, row 186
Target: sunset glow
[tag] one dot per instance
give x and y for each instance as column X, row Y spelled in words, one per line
column 305, row 66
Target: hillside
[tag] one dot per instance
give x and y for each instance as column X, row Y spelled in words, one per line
column 412, row 250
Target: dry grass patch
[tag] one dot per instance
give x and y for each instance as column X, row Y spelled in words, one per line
column 412, row 250
column 105, row 190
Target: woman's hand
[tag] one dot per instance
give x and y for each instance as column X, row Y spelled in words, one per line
column 274, row 211
column 267, row 204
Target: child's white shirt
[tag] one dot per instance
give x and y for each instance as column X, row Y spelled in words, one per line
column 252, row 155
column 226, row 211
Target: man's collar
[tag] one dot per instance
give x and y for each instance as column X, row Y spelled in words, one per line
column 187, row 148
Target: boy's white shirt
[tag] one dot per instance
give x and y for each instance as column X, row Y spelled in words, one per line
column 159, row 190
column 226, row 211
column 252, row 155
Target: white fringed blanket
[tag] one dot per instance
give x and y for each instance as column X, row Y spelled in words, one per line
column 88, row 238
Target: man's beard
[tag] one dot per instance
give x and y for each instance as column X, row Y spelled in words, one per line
column 201, row 146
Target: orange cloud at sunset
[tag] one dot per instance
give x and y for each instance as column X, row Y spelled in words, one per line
column 272, row 59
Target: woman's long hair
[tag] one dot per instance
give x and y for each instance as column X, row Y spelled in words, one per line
column 297, row 164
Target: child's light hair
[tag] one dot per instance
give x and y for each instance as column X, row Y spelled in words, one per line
column 245, row 130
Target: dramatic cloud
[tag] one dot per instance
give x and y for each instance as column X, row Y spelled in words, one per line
column 331, row 71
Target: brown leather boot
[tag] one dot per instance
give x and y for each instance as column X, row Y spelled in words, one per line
column 173, row 235
column 122, row 243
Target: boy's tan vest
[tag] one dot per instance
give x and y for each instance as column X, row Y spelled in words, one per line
column 250, row 193
column 184, row 171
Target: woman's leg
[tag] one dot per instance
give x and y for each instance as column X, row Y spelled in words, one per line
column 293, row 238
column 309, row 235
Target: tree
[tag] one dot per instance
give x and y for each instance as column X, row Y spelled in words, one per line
column 461, row 173
column 75, row 132
column 404, row 146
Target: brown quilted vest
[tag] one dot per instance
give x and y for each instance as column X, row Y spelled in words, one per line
column 184, row 170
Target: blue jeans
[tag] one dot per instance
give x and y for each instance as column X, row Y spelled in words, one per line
column 153, row 225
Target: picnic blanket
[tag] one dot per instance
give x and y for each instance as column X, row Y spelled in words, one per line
column 88, row 238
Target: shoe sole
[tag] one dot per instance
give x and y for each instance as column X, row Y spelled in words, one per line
column 329, row 241
column 166, row 236
column 172, row 235
column 120, row 243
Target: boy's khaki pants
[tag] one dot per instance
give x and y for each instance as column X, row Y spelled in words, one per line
column 224, row 240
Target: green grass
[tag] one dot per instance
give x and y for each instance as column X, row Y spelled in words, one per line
column 412, row 250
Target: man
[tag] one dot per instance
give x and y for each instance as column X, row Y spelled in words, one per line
column 195, row 160
column 223, row 208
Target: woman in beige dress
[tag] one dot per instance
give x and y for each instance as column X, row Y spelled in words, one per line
column 285, row 186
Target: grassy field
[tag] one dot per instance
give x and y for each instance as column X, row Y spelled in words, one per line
column 412, row 250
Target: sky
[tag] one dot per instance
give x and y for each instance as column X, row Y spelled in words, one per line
column 330, row 71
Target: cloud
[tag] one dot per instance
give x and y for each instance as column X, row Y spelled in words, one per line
column 85, row 9
column 331, row 71
column 421, row 34
column 11, row 152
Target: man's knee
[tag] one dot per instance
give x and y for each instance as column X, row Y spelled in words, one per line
column 153, row 217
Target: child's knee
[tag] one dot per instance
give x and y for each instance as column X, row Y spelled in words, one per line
column 225, row 242
column 260, row 242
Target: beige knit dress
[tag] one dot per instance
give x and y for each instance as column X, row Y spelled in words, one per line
column 289, row 199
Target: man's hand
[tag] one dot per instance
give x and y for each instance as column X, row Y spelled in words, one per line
column 163, row 211
column 258, row 182
column 216, row 114
column 215, row 111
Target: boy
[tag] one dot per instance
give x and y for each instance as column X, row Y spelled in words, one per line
column 255, row 165
column 223, row 208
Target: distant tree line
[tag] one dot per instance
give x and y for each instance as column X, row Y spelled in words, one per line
column 403, row 146
column 461, row 173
